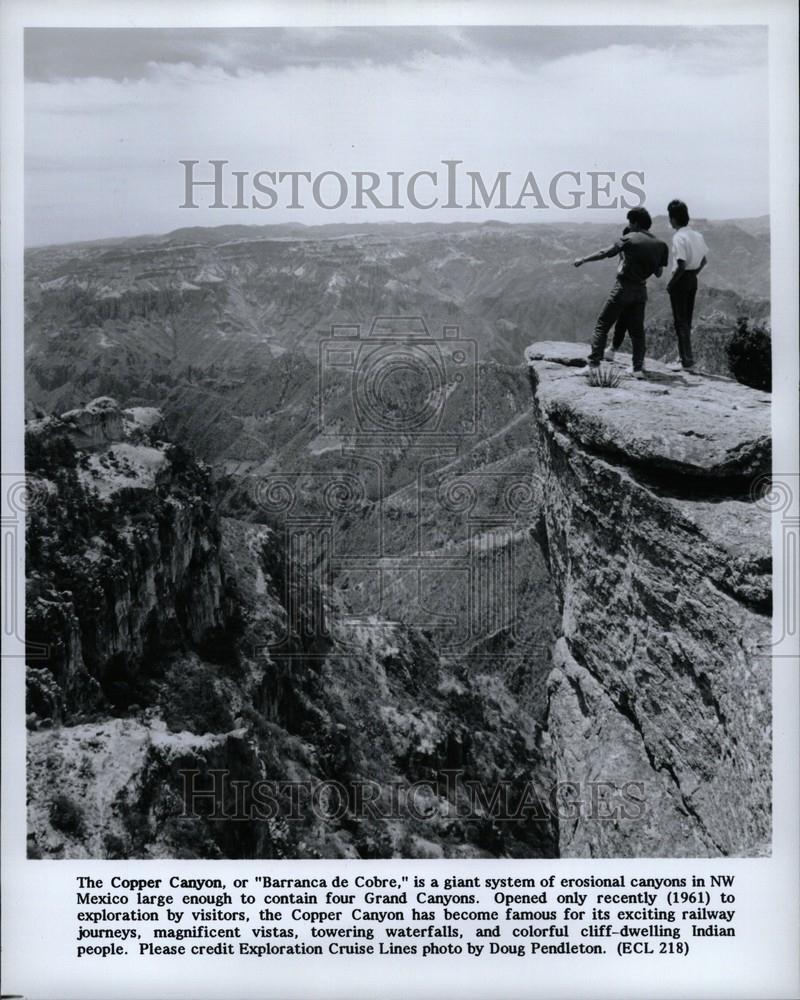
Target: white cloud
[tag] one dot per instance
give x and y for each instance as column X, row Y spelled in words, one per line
column 103, row 154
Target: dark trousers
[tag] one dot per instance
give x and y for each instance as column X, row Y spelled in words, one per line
column 682, row 296
column 625, row 304
column 620, row 329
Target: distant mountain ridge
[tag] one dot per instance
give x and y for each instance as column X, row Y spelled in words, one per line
column 134, row 315
column 756, row 225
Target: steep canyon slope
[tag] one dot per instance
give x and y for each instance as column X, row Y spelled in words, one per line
column 171, row 646
column 660, row 557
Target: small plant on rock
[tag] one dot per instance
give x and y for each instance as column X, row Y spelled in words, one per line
column 605, row 377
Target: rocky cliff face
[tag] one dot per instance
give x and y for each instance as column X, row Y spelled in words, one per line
column 123, row 556
column 661, row 562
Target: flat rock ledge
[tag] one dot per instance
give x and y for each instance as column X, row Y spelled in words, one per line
column 704, row 426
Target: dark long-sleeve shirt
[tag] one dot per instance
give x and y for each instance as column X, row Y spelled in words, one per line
column 641, row 253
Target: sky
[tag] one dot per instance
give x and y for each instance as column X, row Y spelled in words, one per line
column 110, row 113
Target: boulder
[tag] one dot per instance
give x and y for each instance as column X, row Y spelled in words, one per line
column 95, row 425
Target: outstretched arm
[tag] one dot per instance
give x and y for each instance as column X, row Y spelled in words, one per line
column 600, row 255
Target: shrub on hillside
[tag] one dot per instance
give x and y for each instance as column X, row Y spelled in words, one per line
column 192, row 700
column 47, row 454
column 750, row 354
column 66, row 815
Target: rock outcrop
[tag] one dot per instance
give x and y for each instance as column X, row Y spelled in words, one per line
column 96, row 424
column 123, row 557
column 660, row 556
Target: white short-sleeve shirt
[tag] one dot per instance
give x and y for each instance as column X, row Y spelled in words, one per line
column 688, row 245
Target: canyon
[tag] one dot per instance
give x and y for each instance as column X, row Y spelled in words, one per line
column 533, row 624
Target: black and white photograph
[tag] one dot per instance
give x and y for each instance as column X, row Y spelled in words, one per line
column 344, row 526
column 399, row 470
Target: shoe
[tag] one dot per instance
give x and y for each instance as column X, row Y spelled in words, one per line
column 639, row 375
column 676, row 366
column 610, row 354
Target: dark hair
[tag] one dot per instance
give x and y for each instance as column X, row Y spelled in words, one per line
column 678, row 211
column 640, row 217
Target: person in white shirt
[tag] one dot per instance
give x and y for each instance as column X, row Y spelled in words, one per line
column 689, row 257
